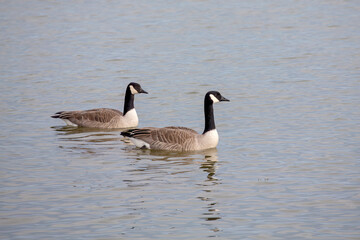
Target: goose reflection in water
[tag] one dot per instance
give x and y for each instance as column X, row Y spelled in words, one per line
column 211, row 213
column 145, row 168
column 207, row 160
column 87, row 140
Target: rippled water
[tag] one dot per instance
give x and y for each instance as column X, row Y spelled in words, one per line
column 287, row 165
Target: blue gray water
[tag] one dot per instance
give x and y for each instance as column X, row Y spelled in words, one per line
column 287, row 165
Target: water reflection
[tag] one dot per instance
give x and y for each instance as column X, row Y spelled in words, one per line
column 207, row 160
column 211, row 213
column 145, row 170
column 69, row 130
column 208, row 154
column 209, row 167
column 87, row 140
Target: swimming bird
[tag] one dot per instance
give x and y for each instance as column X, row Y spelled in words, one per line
column 180, row 138
column 106, row 117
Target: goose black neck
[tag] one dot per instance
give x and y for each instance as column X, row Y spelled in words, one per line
column 129, row 101
column 209, row 115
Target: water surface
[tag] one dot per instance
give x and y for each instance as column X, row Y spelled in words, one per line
column 287, row 165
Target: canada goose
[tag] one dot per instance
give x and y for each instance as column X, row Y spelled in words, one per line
column 106, row 117
column 180, row 138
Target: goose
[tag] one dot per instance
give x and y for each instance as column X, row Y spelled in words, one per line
column 180, row 138
column 105, row 117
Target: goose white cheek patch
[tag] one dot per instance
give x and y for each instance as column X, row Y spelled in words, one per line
column 214, row 99
column 133, row 90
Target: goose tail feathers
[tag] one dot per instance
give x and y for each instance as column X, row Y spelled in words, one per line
column 126, row 133
column 57, row 115
column 136, row 132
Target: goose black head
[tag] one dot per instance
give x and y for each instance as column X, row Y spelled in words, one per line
column 215, row 96
column 136, row 88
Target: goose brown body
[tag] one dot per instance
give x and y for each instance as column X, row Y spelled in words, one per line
column 105, row 117
column 171, row 138
column 99, row 118
column 180, row 138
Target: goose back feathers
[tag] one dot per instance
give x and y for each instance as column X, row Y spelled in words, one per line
column 168, row 138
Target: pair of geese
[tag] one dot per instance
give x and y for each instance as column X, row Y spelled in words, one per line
column 167, row 138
